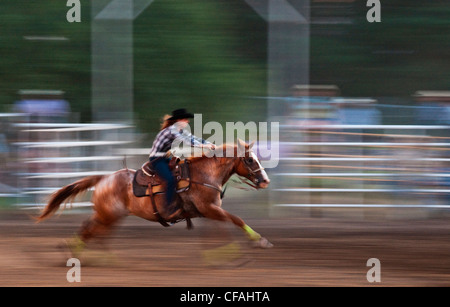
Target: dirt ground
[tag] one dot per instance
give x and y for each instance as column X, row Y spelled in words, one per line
column 307, row 252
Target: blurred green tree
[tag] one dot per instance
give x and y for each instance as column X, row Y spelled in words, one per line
column 195, row 54
column 209, row 56
column 405, row 52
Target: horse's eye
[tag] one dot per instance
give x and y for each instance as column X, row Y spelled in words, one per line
column 250, row 160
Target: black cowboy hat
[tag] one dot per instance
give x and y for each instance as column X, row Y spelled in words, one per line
column 180, row 114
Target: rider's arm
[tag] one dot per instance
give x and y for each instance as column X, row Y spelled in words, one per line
column 197, row 142
column 186, row 137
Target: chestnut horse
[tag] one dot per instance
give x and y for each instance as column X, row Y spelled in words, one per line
column 113, row 196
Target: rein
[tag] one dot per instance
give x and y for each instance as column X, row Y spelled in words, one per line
column 209, row 186
column 246, row 180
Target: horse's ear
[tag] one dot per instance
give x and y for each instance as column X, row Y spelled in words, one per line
column 251, row 145
column 241, row 143
column 241, row 148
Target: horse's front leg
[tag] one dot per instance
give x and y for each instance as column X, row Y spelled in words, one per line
column 217, row 213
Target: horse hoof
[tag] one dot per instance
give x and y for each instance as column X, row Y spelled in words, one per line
column 262, row 243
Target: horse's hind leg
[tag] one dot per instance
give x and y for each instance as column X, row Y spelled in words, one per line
column 94, row 227
column 109, row 206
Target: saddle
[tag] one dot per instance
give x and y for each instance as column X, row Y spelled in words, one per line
column 147, row 183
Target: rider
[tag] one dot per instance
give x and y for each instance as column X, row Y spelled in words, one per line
column 172, row 129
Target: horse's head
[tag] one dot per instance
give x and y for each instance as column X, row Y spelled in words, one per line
column 250, row 167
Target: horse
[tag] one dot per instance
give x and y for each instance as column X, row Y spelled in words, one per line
column 113, row 197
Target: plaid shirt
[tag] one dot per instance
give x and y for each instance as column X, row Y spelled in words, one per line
column 165, row 138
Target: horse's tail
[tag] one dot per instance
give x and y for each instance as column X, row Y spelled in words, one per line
column 68, row 193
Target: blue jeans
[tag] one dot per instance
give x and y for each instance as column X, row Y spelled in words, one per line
column 161, row 166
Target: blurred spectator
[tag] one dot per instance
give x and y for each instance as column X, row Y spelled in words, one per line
column 313, row 102
column 358, row 112
column 43, row 105
column 433, row 107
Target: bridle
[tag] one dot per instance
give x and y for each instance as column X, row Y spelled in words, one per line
column 247, row 161
column 249, row 168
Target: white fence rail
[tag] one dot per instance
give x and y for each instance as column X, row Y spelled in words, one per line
column 51, row 155
column 369, row 170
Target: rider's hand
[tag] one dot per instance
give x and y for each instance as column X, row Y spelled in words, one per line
column 210, row 146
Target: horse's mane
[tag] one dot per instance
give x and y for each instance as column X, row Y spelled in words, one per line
column 220, row 148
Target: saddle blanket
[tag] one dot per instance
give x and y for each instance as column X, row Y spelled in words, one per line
column 147, row 183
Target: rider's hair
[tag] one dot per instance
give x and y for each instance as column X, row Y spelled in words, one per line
column 166, row 122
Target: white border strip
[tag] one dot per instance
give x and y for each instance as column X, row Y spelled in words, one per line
column 362, row 174
column 360, row 144
column 406, row 127
column 361, row 190
column 364, row 159
column 362, row 206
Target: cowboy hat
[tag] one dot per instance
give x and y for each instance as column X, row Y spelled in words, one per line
column 180, row 114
